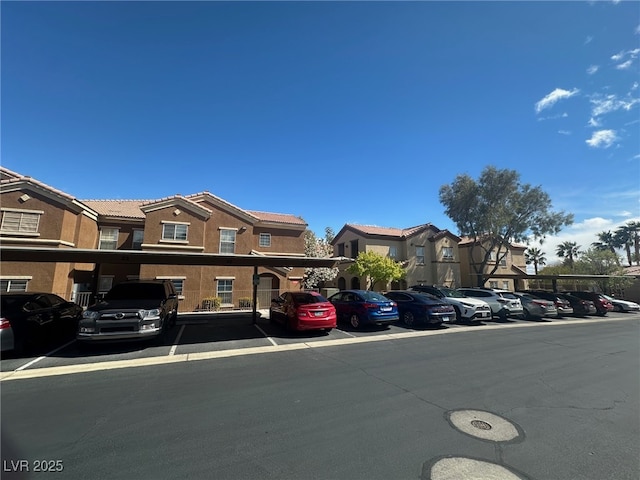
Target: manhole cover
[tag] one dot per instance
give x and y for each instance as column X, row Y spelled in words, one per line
column 481, row 425
column 485, row 425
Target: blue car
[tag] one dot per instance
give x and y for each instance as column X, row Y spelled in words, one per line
column 362, row 307
column 417, row 307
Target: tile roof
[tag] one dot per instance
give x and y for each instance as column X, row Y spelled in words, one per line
column 277, row 217
column 17, row 178
column 117, row 208
column 389, row 231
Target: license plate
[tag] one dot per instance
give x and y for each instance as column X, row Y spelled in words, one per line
column 318, row 314
column 446, row 319
column 385, row 309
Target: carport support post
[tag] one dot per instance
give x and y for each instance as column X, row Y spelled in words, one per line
column 256, row 281
column 554, row 283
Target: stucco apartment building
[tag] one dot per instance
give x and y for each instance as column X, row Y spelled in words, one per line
column 429, row 256
column 36, row 214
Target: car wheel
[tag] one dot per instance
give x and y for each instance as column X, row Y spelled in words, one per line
column 617, row 308
column 408, row 319
column 526, row 314
column 272, row 318
column 327, row 330
column 458, row 314
column 354, row 320
column 174, row 318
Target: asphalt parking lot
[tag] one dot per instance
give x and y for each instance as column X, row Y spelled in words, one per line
column 200, row 336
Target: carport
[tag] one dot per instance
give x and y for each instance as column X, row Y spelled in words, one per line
column 139, row 257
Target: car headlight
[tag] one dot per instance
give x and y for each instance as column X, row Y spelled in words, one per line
column 149, row 313
column 90, row 315
column 466, row 305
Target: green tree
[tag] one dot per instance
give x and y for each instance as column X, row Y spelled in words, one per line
column 602, row 262
column 534, row 256
column 568, row 251
column 376, row 268
column 634, row 228
column 496, row 211
column 606, row 242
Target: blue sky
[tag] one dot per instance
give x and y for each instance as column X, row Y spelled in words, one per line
column 335, row 111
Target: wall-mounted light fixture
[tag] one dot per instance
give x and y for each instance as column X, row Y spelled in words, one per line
column 242, row 229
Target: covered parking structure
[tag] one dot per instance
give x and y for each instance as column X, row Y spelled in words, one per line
column 139, row 257
column 518, row 278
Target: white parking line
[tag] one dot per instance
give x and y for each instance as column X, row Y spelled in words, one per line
column 36, row 360
column 268, row 337
column 175, row 345
column 151, row 361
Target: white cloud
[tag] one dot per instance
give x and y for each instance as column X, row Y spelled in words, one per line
column 594, row 122
column 625, row 65
column 564, row 132
column 624, row 213
column 558, row 94
column 618, row 56
column 603, row 104
column 588, row 40
column 593, row 69
column 602, row 139
column 638, row 30
column 634, row 86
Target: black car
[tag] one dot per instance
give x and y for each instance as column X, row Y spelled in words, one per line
column 35, row 319
column 417, row 307
column 135, row 310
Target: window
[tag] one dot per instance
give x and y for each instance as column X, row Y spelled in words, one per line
column 137, row 239
column 505, row 285
column 447, row 253
column 354, row 248
column 108, row 239
column 20, row 222
column 493, row 284
column 393, row 252
column 175, row 231
column 265, row 240
column 13, row 285
column 105, row 283
column 503, row 260
column 420, row 255
column 225, row 291
column 178, row 285
column 227, row 241
column 341, row 249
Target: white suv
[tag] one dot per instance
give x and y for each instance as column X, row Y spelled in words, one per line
column 503, row 303
column 468, row 309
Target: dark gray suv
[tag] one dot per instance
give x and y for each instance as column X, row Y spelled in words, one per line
column 138, row 309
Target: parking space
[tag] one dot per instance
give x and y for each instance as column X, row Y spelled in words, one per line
column 198, row 333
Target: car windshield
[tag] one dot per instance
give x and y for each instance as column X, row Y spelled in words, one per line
column 132, row 291
column 373, row 297
column 303, row 298
column 450, row 292
column 508, row 295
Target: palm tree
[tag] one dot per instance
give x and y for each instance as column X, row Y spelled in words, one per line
column 536, row 257
column 607, row 243
column 626, row 236
column 569, row 251
column 634, row 227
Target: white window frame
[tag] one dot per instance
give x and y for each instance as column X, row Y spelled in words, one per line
column 445, row 253
column 493, row 284
column 14, row 284
column 505, row 284
column 420, row 248
column 20, row 221
column 174, row 236
column 226, row 243
column 137, row 245
column 224, row 290
column 104, row 238
column 265, row 240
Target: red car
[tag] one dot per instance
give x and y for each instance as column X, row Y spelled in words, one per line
column 303, row 311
